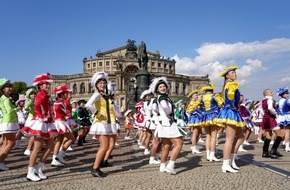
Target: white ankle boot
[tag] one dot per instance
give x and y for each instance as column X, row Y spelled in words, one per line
column 162, row 167
column 287, row 147
column 194, row 150
column 55, row 161
column 31, row 176
column 241, row 149
column 153, row 161
column 233, row 162
column 227, row 167
column 170, row 167
column 38, row 170
column 146, row 151
column 212, row 157
column 60, row 156
column 207, row 155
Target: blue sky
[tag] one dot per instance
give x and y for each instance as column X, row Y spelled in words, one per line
column 203, row 36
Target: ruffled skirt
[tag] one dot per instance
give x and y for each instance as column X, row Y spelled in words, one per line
column 103, row 129
column 39, row 128
column 9, row 128
column 62, row 127
column 228, row 116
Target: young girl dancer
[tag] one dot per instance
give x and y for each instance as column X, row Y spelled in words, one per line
column 104, row 124
column 29, row 107
column 230, row 117
column 128, row 123
column 212, row 103
column 22, row 115
column 41, row 127
column 9, row 123
column 194, row 110
column 167, row 128
column 284, row 107
column 62, row 126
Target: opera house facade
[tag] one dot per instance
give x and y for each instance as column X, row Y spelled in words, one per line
column 121, row 65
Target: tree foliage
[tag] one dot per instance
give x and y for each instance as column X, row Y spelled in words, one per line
column 20, row 87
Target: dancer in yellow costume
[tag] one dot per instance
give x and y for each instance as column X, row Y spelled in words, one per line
column 230, row 118
column 104, row 124
column 212, row 103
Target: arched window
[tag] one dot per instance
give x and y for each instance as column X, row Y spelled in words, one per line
column 82, row 88
column 113, row 83
column 177, row 88
column 90, row 88
column 75, row 89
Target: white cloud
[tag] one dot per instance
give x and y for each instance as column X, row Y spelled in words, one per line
column 285, row 80
column 255, row 61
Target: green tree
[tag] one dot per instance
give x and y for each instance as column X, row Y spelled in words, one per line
column 20, row 87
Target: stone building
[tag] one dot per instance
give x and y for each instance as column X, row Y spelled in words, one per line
column 121, row 64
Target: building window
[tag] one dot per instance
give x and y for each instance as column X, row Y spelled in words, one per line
column 94, row 64
column 165, row 65
column 89, row 65
column 170, row 89
column 170, row 67
column 177, row 88
column 153, row 64
column 90, row 88
column 82, row 88
column 183, row 89
column 100, row 64
column 75, row 89
column 107, row 63
column 159, row 65
column 115, row 63
column 113, row 83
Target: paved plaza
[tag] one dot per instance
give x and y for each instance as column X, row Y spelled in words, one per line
column 131, row 170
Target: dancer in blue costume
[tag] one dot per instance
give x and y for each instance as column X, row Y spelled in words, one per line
column 212, row 103
column 284, row 119
column 230, row 118
column 194, row 110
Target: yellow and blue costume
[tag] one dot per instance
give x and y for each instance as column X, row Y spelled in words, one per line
column 229, row 114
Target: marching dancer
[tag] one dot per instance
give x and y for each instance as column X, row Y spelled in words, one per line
column 112, row 138
column 194, row 110
column 104, row 124
column 41, row 127
column 284, row 118
column 269, row 124
column 22, row 115
column 29, row 107
column 62, row 126
column 9, row 122
column 212, row 103
column 146, row 97
column 128, row 123
column 167, row 128
column 230, row 117
column 257, row 115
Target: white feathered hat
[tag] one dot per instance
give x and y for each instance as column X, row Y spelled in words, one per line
column 145, row 93
column 155, row 83
column 111, row 90
column 97, row 76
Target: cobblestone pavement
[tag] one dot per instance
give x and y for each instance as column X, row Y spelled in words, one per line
column 131, row 170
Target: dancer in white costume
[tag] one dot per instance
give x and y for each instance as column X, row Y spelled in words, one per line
column 167, row 128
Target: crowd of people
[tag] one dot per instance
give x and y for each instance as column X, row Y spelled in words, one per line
column 161, row 123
